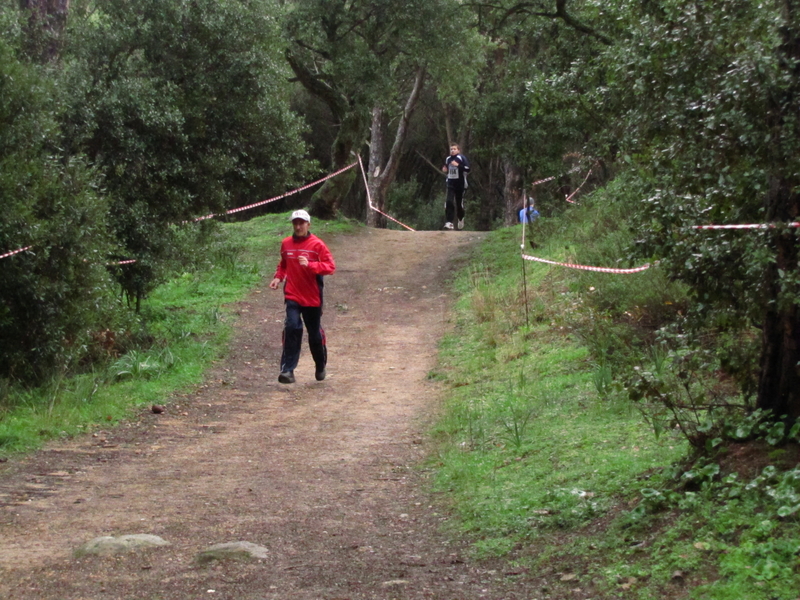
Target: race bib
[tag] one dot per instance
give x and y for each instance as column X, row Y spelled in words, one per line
column 452, row 171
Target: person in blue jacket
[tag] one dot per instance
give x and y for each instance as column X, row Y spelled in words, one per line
column 456, row 166
column 528, row 214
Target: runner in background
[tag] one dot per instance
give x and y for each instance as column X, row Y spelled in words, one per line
column 456, row 166
column 304, row 260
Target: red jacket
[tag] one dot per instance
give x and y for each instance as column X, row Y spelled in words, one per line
column 304, row 284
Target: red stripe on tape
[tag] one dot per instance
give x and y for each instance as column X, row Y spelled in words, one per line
column 545, row 180
column 13, row 252
column 587, row 267
column 569, row 198
column 285, row 195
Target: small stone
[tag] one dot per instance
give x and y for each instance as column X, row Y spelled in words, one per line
column 232, row 551
column 395, row 583
column 107, row 545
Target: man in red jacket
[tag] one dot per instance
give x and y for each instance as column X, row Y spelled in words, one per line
column 304, row 260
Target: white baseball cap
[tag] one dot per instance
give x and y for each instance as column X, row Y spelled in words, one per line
column 301, row 214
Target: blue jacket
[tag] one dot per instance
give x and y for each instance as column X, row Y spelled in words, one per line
column 532, row 215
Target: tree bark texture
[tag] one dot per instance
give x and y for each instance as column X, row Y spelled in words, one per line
column 381, row 176
column 779, row 378
column 352, row 121
column 512, row 192
column 47, row 21
column 374, row 174
column 490, row 207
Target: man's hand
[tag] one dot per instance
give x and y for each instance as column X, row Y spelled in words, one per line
column 303, row 260
column 273, row 285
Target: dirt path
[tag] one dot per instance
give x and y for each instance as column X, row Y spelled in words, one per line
column 323, row 474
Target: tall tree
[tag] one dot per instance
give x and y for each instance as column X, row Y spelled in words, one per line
column 382, row 172
column 363, row 58
column 709, row 98
column 47, row 23
column 530, row 114
column 779, row 380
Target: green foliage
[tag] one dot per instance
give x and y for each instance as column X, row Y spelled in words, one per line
column 403, row 203
column 182, row 108
column 157, row 112
column 645, row 335
column 137, row 365
column 527, row 448
column 54, row 296
column 363, row 46
column 724, row 150
column 747, row 526
column 552, row 467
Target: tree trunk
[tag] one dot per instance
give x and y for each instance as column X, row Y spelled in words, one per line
column 779, row 378
column 326, row 201
column 512, row 192
column 47, row 21
column 375, row 172
column 448, row 126
column 492, row 202
column 381, row 177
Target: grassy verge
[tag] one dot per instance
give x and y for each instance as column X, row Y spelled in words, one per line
column 552, row 467
column 185, row 325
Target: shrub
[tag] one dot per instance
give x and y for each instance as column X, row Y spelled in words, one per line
column 53, row 296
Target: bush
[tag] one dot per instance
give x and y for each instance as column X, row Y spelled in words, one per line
column 54, row 296
column 184, row 108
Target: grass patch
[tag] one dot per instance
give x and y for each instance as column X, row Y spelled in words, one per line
column 184, row 326
column 551, row 466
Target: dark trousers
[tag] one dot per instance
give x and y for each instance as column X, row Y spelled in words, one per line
column 454, row 205
column 296, row 315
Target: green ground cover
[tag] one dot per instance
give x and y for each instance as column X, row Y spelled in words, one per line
column 549, row 464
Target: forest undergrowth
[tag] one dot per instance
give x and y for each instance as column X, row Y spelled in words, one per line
column 556, row 460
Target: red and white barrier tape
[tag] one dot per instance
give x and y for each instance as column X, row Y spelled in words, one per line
column 569, row 198
column 13, row 252
column 574, row 169
column 746, row 226
column 545, row 180
column 588, row 268
column 228, row 212
column 276, row 198
column 369, row 198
